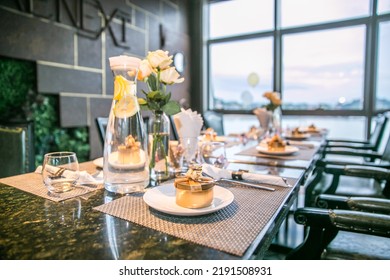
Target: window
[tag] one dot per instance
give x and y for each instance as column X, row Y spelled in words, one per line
column 319, row 54
column 383, row 6
column 240, row 72
column 324, row 69
column 237, row 17
column 383, row 70
column 305, row 12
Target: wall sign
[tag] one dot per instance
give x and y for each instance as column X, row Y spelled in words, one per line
column 81, row 14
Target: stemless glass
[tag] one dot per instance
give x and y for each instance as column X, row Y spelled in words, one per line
column 214, row 153
column 60, row 171
column 190, row 146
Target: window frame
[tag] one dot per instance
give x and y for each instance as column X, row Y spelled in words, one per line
column 371, row 23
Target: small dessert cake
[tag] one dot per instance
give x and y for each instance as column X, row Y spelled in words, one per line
column 276, row 144
column 193, row 190
column 129, row 153
column 210, row 135
column 297, row 132
column 312, row 128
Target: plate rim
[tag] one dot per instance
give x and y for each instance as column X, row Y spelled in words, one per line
column 189, row 211
column 264, row 150
column 96, row 162
column 295, row 137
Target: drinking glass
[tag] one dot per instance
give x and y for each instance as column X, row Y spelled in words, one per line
column 176, row 155
column 60, row 171
column 190, row 146
column 214, row 153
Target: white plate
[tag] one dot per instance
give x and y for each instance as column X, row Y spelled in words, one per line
column 163, row 198
column 98, row 162
column 298, row 136
column 113, row 161
column 288, row 151
column 216, row 139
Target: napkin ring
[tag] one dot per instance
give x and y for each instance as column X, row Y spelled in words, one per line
column 237, row 175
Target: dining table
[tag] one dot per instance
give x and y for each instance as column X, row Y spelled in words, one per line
column 99, row 224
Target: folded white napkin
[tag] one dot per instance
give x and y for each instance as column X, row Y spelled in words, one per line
column 263, row 116
column 83, row 176
column 188, row 123
column 218, row 173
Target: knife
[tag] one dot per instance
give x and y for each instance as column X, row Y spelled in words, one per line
column 242, row 183
column 248, row 184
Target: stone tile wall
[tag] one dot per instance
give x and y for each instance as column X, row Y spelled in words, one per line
column 57, row 35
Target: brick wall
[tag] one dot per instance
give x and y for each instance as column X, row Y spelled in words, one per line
column 71, row 40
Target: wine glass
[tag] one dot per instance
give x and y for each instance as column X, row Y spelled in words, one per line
column 214, row 153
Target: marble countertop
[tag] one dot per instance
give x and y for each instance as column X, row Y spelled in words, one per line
column 32, row 227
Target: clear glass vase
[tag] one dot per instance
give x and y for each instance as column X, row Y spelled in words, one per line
column 125, row 164
column 276, row 121
column 159, row 130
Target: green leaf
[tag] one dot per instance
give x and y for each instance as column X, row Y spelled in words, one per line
column 167, row 97
column 144, row 107
column 171, row 108
column 152, row 82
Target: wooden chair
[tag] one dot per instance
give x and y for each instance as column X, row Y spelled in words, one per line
column 344, row 228
column 17, row 154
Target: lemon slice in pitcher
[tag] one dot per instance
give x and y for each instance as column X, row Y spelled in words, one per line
column 126, row 107
column 121, row 86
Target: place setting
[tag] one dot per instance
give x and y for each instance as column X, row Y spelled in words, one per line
column 58, row 178
column 297, row 134
column 200, row 207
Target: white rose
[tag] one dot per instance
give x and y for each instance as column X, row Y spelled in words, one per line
column 144, row 70
column 159, row 59
column 170, row 76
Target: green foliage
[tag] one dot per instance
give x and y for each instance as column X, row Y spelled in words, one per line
column 19, row 101
column 49, row 137
column 17, row 80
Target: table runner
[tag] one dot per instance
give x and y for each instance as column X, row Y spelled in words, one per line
column 32, row 183
column 231, row 229
column 304, row 153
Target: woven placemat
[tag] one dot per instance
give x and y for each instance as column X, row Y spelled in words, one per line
column 231, row 229
column 32, row 183
column 302, row 154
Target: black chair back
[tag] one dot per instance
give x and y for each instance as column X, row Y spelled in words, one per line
column 17, row 152
column 101, row 123
column 215, row 121
column 379, row 130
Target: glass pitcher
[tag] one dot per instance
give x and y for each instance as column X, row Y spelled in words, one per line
column 126, row 164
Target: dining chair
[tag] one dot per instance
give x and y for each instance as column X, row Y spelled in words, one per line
column 174, row 133
column 373, row 143
column 342, row 227
column 215, row 121
column 17, row 153
column 101, row 123
column 354, row 172
column 349, row 179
